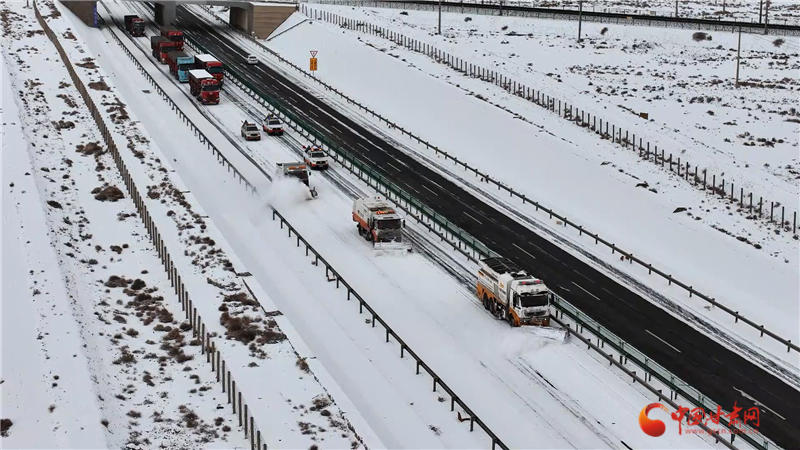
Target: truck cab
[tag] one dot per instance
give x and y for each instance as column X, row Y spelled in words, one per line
column 203, row 87
column 510, row 293
column 174, row 35
column 272, row 125
column 250, row 131
column 377, row 221
column 315, row 157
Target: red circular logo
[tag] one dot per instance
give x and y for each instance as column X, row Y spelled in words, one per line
column 652, row 427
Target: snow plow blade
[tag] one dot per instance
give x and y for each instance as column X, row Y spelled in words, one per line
column 314, row 194
column 385, row 248
column 552, row 333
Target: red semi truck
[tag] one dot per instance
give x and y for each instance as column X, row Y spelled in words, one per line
column 173, row 34
column 211, row 65
column 161, row 48
column 134, row 25
column 204, row 87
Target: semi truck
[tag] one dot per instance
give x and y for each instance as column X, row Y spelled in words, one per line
column 511, row 294
column 210, row 65
column 134, row 25
column 173, row 34
column 379, row 223
column 161, row 46
column 180, row 64
column 300, row 171
column 204, row 87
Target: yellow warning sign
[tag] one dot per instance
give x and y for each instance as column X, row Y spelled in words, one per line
column 313, row 64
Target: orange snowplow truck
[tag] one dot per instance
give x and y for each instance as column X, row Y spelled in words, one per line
column 510, row 294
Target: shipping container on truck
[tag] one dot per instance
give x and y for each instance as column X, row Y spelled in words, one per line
column 210, row 65
column 161, row 47
column 173, row 34
column 134, row 25
column 203, row 87
column 180, row 64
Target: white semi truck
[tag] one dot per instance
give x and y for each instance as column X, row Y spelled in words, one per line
column 379, row 223
column 509, row 293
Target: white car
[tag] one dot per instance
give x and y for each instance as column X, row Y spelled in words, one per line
column 272, row 125
column 252, row 59
column 315, row 157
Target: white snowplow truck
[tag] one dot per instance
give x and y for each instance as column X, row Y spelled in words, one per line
column 509, row 293
column 378, row 223
column 300, row 171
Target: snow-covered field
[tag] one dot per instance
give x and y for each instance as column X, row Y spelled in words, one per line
column 712, row 262
column 780, row 11
column 410, row 293
column 94, row 352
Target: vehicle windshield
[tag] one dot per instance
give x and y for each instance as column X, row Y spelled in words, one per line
column 251, row 128
column 317, row 154
column 214, row 70
column 388, row 224
column 210, row 88
column 530, row 300
column 274, row 122
column 176, row 38
column 185, row 66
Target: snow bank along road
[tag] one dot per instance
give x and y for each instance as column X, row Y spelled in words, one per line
column 719, row 373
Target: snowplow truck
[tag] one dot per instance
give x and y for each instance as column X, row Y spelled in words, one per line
column 509, row 293
column 298, row 170
column 378, row 222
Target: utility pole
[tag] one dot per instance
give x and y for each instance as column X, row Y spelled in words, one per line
column 440, row 17
column 580, row 18
column 676, row 8
column 766, row 17
column 738, row 56
column 723, row 5
column 760, row 9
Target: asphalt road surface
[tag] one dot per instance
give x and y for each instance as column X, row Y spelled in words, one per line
column 719, row 373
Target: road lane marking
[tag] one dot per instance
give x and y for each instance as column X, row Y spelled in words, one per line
column 758, row 403
column 523, row 250
column 428, row 189
column 476, row 220
column 584, row 290
column 665, row 342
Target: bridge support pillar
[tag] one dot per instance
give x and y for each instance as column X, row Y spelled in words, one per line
column 166, row 13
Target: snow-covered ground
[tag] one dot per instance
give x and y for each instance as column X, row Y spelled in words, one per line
column 712, row 262
column 150, row 394
column 780, row 11
column 747, row 136
column 85, row 364
column 409, row 292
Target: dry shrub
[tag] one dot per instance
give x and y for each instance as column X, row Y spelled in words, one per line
column 604, row 31
column 99, row 86
column 5, row 425
column 699, row 36
column 116, row 282
column 54, row 204
column 241, row 298
column 108, row 193
column 302, row 364
column 92, row 148
column 64, row 125
column 778, row 42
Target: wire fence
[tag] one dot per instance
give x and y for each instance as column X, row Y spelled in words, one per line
column 474, row 250
column 208, row 348
column 587, row 121
column 519, row 9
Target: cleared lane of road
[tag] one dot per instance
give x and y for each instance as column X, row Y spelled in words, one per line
column 705, row 364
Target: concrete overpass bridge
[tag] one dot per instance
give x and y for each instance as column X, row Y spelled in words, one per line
column 253, row 17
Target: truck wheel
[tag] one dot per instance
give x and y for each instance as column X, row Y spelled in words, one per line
column 493, row 308
column 485, row 302
column 510, row 319
column 360, row 231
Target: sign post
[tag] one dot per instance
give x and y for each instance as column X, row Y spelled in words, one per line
column 313, row 62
